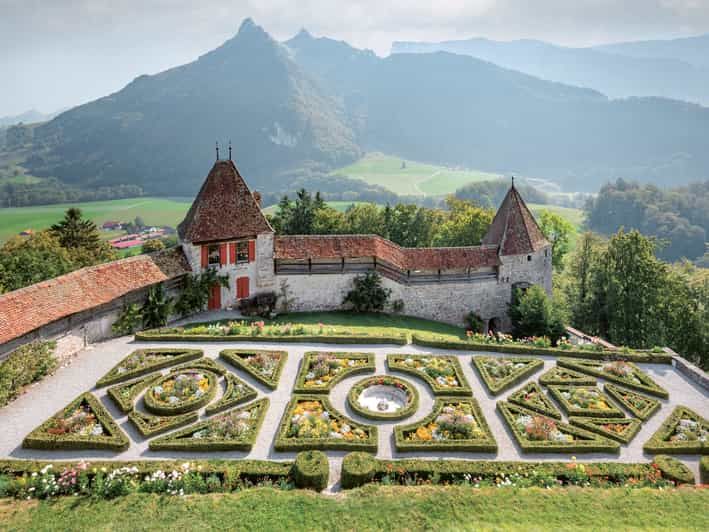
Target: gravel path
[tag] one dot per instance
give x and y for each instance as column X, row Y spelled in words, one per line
column 45, row 398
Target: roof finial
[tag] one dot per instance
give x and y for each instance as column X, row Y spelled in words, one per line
column 217, row 143
column 513, row 181
column 230, row 149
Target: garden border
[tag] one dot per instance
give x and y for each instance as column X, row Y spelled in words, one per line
column 657, row 444
column 553, row 412
column 231, row 356
column 299, row 386
column 587, row 424
column 314, row 339
column 137, row 386
column 137, row 418
column 583, row 380
column 533, row 365
column 359, row 386
column 572, row 410
column 178, row 356
column 653, row 388
column 193, row 404
column 224, row 403
column 615, row 392
column 464, row 390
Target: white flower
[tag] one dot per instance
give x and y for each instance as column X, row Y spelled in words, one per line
column 310, row 375
column 97, row 430
column 172, row 400
column 335, row 435
column 346, row 428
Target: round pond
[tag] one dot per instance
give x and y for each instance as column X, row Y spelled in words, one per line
column 383, row 398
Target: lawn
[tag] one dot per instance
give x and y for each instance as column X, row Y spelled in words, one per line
column 374, row 508
column 574, row 216
column 416, row 178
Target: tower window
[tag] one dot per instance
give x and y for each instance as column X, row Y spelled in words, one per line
column 214, row 255
column 242, row 252
column 529, row 258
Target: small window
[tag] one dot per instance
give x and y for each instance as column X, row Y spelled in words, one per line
column 546, row 252
column 242, row 252
column 214, row 259
column 529, row 258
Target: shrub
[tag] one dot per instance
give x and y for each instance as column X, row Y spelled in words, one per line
column 367, row 294
column 532, row 397
column 625, row 373
column 622, row 430
column 192, row 388
column 237, row 391
column 149, row 425
column 569, row 377
column 311, row 470
column 443, row 373
column 683, row 432
column 27, row 364
column 157, row 307
column 129, row 320
column 704, row 470
column 584, row 401
column 329, row 369
column 534, row 314
column 264, row 366
column 673, row 469
column 124, row 395
column 195, row 291
column 639, row 405
column 263, row 305
column 499, row 374
column 475, row 323
column 143, row 361
column 357, row 469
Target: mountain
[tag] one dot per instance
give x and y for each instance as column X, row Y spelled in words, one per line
column 28, row 117
column 159, row 131
column 616, row 74
column 692, row 50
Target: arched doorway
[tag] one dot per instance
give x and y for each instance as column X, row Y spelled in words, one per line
column 493, row 325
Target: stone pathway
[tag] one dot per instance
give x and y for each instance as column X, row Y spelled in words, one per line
column 45, row 398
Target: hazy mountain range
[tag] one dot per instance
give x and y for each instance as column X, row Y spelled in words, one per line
column 26, row 118
column 310, row 104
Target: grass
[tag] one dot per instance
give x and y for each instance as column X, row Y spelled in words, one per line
column 341, row 206
column 416, row 179
column 574, row 216
column 374, row 508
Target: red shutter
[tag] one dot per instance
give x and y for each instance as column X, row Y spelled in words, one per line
column 242, row 287
column 232, row 253
column 246, row 286
column 205, row 256
column 222, row 254
column 252, row 250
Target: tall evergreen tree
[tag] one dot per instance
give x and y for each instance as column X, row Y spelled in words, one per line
column 75, row 231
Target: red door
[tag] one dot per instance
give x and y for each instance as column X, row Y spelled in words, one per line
column 215, row 298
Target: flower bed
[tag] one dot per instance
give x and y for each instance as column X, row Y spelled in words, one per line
column 234, row 430
column 639, row 405
column 499, row 374
column 683, row 432
column 406, row 393
column 558, row 375
column 237, row 391
column 264, row 366
column 584, row 401
column 26, row 364
column 311, row 422
column 181, row 391
column 203, row 363
column 674, row 469
column 83, row 424
column 143, row 361
column 454, row 425
column 320, row 371
column 532, row 397
column 149, row 425
column 537, row 433
column 625, row 373
column 622, row 430
column 124, row 395
column 443, row 373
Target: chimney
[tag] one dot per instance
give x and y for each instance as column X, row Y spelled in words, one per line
column 257, row 197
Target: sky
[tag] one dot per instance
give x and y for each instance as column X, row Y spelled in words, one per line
column 56, row 54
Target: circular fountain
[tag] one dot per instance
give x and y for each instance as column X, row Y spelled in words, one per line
column 383, row 397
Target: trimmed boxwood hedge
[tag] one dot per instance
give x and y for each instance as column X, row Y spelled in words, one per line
column 149, row 425
column 572, row 410
column 284, row 443
column 113, row 438
column 359, row 469
column 547, row 409
column 203, row 363
column 181, row 441
column 704, row 470
column 300, row 386
column 486, row 444
column 172, row 357
column 555, row 376
column 397, row 363
column 195, row 403
column 531, row 350
column 355, row 339
column 237, row 392
column 624, row 397
column 590, row 443
column 659, row 442
column 311, row 470
column 124, row 395
column 412, row 397
column 235, row 358
column 595, row 424
column 497, row 386
column 673, row 469
column 646, row 384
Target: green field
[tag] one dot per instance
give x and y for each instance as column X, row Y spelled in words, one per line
column 574, row 216
column 341, row 206
column 415, row 179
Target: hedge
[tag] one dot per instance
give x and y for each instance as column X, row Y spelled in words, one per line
column 673, row 469
column 113, row 438
column 124, row 395
column 27, row 364
column 181, row 440
column 285, row 443
column 301, row 387
column 531, row 350
column 172, row 357
column 233, row 356
column 203, row 363
column 412, row 397
column 704, row 470
column 359, row 469
column 659, row 443
column 590, row 443
column 555, row 376
column 485, row 444
column 311, row 470
column 646, row 384
column 195, row 403
column 595, row 424
column 237, row 392
column 572, row 410
column 397, row 363
column 496, row 385
column 626, row 397
column 547, row 408
column 149, row 425
column 397, row 339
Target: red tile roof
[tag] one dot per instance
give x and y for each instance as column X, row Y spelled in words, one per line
column 224, row 209
column 22, row 311
column 514, row 228
column 303, row 247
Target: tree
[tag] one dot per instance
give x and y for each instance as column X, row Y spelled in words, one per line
column 157, row 307
column 25, row 261
column 154, row 244
column 74, row 231
column 363, row 219
column 558, row 232
column 367, row 294
column 578, row 281
column 195, row 291
column 534, row 314
column 298, row 217
column 465, row 225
